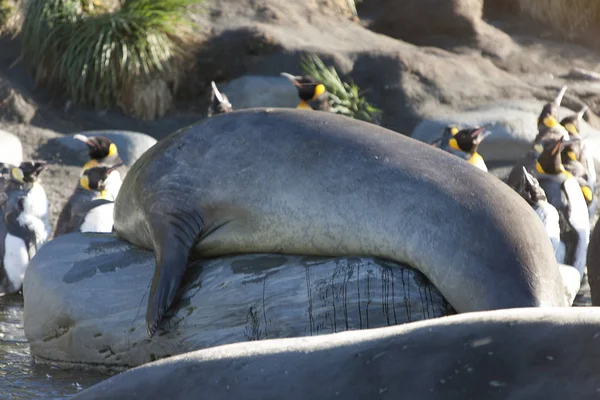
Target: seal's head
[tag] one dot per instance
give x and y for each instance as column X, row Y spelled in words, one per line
column 468, row 140
column 219, row 103
column 101, row 150
column 94, row 178
column 309, row 89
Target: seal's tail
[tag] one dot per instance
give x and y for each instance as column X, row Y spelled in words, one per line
column 174, row 235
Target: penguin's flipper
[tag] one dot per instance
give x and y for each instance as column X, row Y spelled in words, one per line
column 174, row 235
column 63, row 221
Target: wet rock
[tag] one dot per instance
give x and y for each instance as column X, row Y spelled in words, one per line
column 504, row 354
column 261, row 91
column 86, row 296
column 11, row 149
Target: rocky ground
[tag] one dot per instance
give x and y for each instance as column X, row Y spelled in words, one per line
column 410, row 63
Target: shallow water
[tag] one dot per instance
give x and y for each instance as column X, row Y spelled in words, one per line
column 19, row 377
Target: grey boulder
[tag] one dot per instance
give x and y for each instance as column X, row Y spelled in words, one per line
column 252, row 91
column 503, row 354
column 131, row 145
column 11, row 149
column 86, row 296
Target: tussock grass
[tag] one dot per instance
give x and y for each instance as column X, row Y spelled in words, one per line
column 99, row 51
column 345, row 98
column 570, row 17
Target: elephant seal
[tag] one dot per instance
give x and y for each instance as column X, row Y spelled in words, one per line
column 502, row 354
column 304, row 182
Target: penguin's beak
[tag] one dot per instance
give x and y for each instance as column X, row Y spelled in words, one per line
column 480, row 134
column 40, row 166
column 215, row 90
column 292, row 78
column 560, row 96
column 114, row 167
column 582, row 112
column 84, row 139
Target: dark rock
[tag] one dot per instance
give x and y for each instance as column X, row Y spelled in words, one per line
column 85, row 300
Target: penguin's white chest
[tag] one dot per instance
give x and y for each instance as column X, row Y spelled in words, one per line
column 549, row 217
column 113, row 184
column 36, row 201
column 16, row 260
column 99, row 219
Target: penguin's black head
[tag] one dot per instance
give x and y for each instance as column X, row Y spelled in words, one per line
column 468, row 140
column 572, row 123
column 308, row 87
column 94, row 178
column 548, row 118
column 99, row 148
column 549, row 161
column 27, row 171
column 219, row 103
column 571, row 151
column 529, row 188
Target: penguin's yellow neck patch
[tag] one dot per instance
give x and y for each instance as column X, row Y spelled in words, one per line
column 571, row 128
column 587, row 193
column 476, row 159
column 84, row 182
column 453, row 131
column 112, row 150
column 550, row 122
column 571, row 155
column 90, row 164
column 17, row 174
column 103, row 194
column 454, row 144
column 304, row 105
column 319, row 90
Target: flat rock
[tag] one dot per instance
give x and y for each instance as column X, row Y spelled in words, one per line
column 260, row 91
column 503, row 354
column 11, row 149
column 86, row 295
column 70, row 151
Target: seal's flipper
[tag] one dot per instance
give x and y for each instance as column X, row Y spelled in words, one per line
column 174, row 236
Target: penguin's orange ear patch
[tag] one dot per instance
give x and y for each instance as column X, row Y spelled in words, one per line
column 454, row 130
column 84, row 181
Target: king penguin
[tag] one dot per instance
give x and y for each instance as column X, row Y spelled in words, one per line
column 103, row 152
column 564, row 193
column 547, row 122
column 530, row 190
column 24, row 227
column 465, row 144
column 219, row 103
column 313, row 94
column 572, row 124
column 443, row 142
column 548, row 127
column 89, row 209
column 26, row 178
